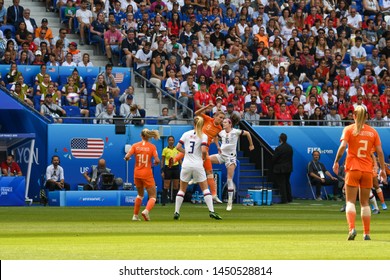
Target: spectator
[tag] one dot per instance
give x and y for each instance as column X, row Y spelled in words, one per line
column 333, row 119
column 165, row 118
column 300, row 118
column 76, row 54
column 112, row 41
column 10, row 168
column 317, row 118
column 157, row 70
column 55, row 178
column 68, row 60
column 143, row 58
column 15, row 13
column 251, row 116
column 64, row 41
column 85, row 62
column 107, row 116
column 109, row 79
column 84, row 18
column 187, row 92
column 31, row 25
column 97, row 30
column 130, row 47
column 3, row 14
column 51, row 109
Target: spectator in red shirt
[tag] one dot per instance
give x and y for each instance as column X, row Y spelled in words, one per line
column 345, row 107
column 343, row 79
column 218, row 84
column 10, row 167
column 373, row 106
column 265, row 86
column 283, row 116
column 202, row 98
column 370, row 87
column 310, row 19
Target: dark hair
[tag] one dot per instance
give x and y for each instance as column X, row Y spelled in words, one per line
column 283, row 137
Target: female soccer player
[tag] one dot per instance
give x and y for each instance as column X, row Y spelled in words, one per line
column 361, row 140
column 143, row 174
column 170, row 171
column 195, row 150
column 212, row 126
column 227, row 154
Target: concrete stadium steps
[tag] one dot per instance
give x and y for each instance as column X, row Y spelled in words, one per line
column 251, row 177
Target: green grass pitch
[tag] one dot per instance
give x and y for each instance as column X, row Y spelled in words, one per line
column 305, row 230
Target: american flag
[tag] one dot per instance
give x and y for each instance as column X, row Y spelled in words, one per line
column 119, row 77
column 87, row 147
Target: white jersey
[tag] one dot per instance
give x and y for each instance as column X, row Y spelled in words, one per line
column 193, row 148
column 229, row 141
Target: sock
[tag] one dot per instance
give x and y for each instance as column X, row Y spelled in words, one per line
column 137, row 204
column 150, row 204
column 179, row 201
column 178, row 157
column 366, row 219
column 211, row 183
column 373, row 201
column 380, row 195
column 164, row 196
column 230, row 190
column 208, row 199
column 350, row 212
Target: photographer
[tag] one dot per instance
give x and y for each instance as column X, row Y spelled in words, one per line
column 101, row 178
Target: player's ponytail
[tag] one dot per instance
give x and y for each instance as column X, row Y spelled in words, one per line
column 360, row 118
column 198, row 123
column 147, row 134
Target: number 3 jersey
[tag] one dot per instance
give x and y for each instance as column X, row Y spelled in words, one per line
column 229, row 141
column 193, row 148
column 143, row 152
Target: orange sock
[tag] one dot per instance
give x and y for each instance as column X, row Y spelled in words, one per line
column 380, row 195
column 366, row 219
column 178, row 157
column 137, row 205
column 150, row 204
column 213, row 187
column 350, row 213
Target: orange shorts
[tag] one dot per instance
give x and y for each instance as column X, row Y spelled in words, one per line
column 144, row 183
column 207, row 164
column 355, row 178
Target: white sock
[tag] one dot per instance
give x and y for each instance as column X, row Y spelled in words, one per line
column 373, row 202
column 179, row 201
column 230, row 190
column 208, row 199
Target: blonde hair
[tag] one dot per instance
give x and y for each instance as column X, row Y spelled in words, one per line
column 147, row 134
column 360, row 118
column 198, row 122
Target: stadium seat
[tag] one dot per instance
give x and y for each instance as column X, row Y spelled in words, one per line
column 10, row 27
column 29, row 73
column 151, row 120
column 122, row 77
column 74, row 113
column 323, row 189
column 368, row 48
column 347, row 58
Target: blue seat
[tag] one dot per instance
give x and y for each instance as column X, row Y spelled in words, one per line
column 151, row 120
column 122, row 78
column 63, row 18
column 29, row 73
column 4, row 69
column 305, row 86
column 368, row 48
column 347, row 58
column 74, row 113
column 10, row 27
column 53, row 72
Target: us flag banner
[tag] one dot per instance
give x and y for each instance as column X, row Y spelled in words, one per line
column 87, row 147
column 119, row 77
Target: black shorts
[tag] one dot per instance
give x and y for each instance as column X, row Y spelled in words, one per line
column 172, row 173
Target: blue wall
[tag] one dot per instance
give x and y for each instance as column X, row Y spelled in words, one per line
column 304, row 141
column 15, row 118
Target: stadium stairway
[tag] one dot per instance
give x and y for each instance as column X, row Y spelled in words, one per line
column 252, row 178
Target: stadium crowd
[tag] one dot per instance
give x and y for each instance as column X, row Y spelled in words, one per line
column 273, row 62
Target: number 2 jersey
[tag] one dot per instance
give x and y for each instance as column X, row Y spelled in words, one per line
column 193, row 148
column 360, row 147
column 229, row 141
column 143, row 151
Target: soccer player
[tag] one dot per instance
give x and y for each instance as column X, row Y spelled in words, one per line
column 212, row 126
column 376, row 186
column 144, row 151
column 195, row 150
column 361, row 140
column 170, row 171
column 227, row 154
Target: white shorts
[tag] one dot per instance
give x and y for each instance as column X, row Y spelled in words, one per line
column 198, row 174
column 227, row 160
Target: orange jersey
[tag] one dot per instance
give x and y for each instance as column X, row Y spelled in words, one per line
column 210, row 129
column 143, row 151
column 360, row 147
